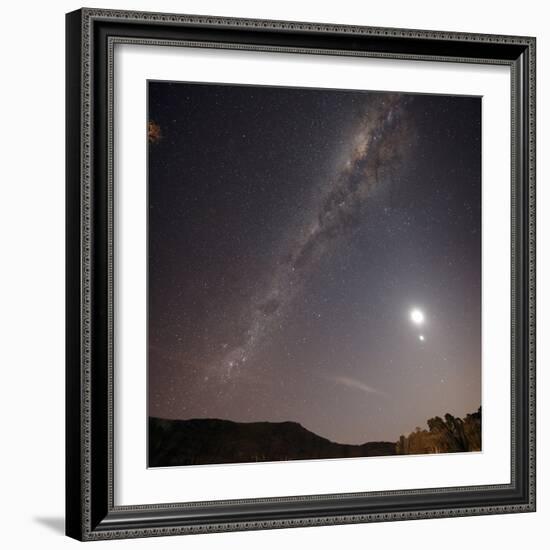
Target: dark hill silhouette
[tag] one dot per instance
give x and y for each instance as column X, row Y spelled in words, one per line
column 213, row 441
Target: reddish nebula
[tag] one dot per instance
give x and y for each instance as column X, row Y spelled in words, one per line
column 154, row 134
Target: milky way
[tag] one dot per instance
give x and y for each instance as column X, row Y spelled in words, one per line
column 291, row 233
column 380, row 141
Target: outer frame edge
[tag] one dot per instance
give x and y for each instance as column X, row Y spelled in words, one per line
column 286, row 25
column 73, row 288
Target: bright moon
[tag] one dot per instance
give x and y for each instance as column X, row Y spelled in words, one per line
column 421, row 338
column 417, row 317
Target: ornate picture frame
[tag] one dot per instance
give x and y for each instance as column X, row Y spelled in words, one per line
column 92, row 512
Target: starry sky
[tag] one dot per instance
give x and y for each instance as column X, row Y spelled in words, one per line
column 314, row 256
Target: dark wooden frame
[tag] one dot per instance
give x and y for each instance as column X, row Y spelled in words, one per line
column 90, row 510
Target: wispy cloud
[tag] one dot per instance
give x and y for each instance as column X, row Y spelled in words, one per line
column 355, row 384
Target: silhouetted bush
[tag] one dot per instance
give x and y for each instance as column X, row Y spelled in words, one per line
column 452, row 435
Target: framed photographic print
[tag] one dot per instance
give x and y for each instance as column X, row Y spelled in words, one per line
column 300, row 274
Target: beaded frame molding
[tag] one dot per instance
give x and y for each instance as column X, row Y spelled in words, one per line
column 90, row 510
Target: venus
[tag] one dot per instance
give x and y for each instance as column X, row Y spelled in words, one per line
column 417, row 316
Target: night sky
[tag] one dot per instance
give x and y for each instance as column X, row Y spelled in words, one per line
column 314, row 256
